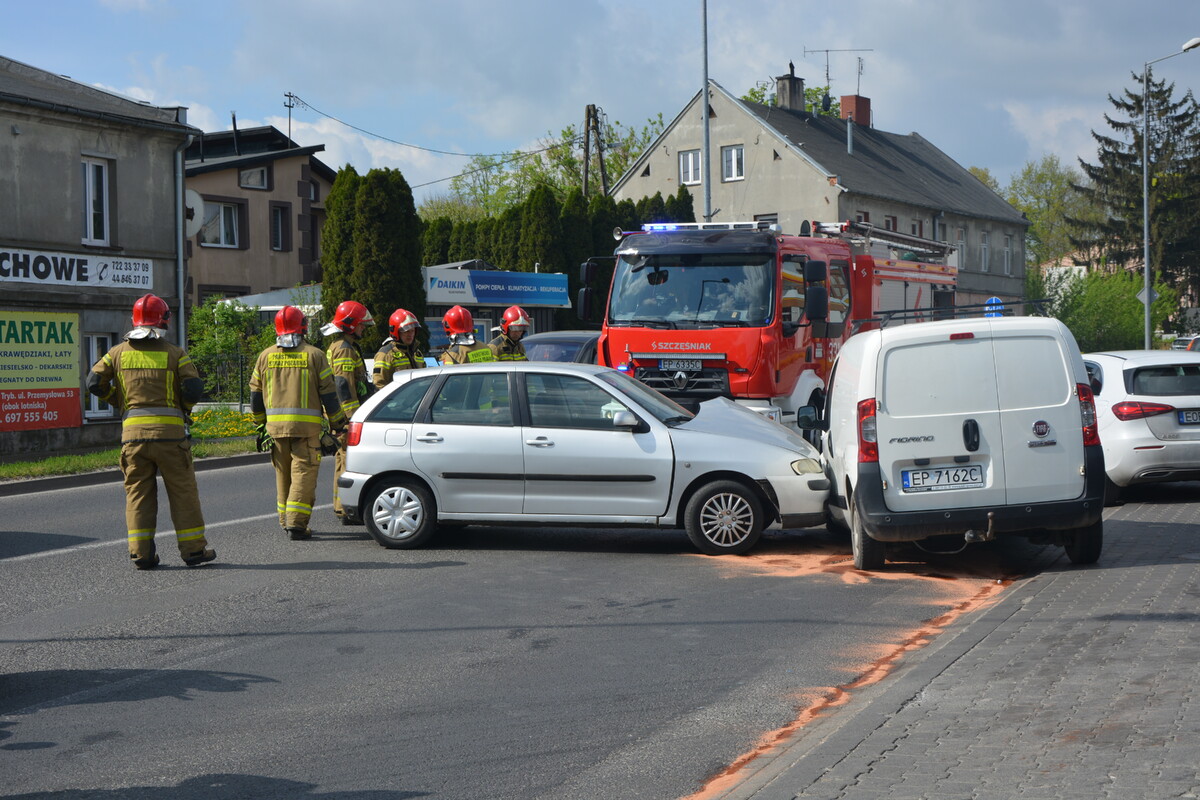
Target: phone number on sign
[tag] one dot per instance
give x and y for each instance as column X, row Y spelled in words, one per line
column 30, row 416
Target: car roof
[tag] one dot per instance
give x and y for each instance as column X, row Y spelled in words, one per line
column 510, row 366
column 1136, row 358
column 562, row 336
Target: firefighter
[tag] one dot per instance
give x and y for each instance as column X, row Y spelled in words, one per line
column 460, row 330
column 156, row 385
column 400, row 350
column 290, row 385
column 350, row 377
column 513, row 327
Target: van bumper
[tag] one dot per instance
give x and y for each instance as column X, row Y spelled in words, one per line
column 885, row 525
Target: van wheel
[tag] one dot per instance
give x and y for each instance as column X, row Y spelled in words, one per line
column 1083, row 545
column 723, row 518
column 868, row 553
column 1112, row 493
column 400, row 514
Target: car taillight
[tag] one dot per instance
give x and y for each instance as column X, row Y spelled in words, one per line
column 355, row 434
column 1087, row 415
column 1131, row 409
column 868, row 441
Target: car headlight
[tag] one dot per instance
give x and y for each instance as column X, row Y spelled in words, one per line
column 807, row 466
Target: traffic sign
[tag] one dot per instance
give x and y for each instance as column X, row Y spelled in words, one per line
column 994, row 306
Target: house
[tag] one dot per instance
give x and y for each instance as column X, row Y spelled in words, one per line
column 261, row 207
column 783, row 164
column 91, row 218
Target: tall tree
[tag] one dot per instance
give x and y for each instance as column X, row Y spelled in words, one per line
column 985, row 177
column 541, row 233
column 1116, row 183
column 337, row 240
column 435, row 241
column 1045, row 192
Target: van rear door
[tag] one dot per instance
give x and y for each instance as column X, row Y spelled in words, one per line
column 939, row 424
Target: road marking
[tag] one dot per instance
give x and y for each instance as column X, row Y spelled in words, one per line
column 167, row 535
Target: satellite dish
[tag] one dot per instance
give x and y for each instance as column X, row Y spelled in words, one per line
column 193, row 212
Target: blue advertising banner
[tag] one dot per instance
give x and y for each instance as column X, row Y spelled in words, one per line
column 495, row 288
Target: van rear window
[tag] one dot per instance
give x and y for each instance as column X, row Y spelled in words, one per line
column 1167, row 380
column 1032, row 372
column 940, row 377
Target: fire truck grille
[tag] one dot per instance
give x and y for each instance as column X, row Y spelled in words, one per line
column 700, row 385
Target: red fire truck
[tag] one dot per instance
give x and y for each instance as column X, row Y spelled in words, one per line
column 739, row 310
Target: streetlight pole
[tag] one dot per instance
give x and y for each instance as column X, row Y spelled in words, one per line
column 1190, row 44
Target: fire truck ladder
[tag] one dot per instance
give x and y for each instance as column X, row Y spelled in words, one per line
column 868, row 232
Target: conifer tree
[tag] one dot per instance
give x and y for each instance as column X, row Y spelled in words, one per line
column 435, row 242
column 541, row 235
column 337, row 240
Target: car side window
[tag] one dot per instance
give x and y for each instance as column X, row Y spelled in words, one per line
column 1095, row 376
column 564, row 401
column 403, row 403
column 478, row 399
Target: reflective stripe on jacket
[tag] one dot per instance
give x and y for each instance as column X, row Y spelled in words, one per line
column 295, row 384
column 144, row 378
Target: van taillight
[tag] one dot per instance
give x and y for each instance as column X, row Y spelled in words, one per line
column 1129, row 409
column 868, row 440
column 355, row 434
column 1087, row 415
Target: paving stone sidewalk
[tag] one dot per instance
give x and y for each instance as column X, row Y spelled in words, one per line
column 1080, row 683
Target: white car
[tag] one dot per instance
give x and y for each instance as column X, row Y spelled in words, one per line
column 1148, row 407
column 561, row 444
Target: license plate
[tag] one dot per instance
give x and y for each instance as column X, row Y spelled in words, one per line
column 685, row 364
column 938, row 479
column 1189, row 417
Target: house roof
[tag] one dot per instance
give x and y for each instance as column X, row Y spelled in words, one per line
column 25, row 85
column 213, row 152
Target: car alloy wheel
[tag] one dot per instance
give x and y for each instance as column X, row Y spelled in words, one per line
column 724, row 517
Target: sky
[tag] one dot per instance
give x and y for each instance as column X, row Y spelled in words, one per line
column 418, row 83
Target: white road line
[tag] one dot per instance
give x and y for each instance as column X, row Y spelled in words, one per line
column 165, row 536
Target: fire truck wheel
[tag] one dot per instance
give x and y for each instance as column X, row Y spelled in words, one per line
column 868, row 553
column 400, row 513
column 723, row 518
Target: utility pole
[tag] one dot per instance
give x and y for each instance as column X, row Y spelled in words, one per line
column 591, row 125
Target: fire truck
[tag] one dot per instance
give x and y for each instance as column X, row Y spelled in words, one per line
column 740, row 310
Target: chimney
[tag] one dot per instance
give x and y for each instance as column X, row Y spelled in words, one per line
column 857, row 108
column 789, row 90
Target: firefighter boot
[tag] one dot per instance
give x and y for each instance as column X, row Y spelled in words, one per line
column 298, row 534
column 203, row 557
column 145, row 561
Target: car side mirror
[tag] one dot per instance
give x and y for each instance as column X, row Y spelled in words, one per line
column 808, row 418
column 627, row 419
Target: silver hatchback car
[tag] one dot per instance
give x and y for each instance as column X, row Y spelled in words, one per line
column 1148, row 412
column 566, row 445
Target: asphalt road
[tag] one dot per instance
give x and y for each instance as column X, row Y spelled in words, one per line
column 543, row 663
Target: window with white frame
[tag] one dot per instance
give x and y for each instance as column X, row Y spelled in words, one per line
column 689, row 167
column 1008, row 255
column 220, row 228
column 983, row 251
column 889, row 223
column 95, row 201
column 917, row 227
column 95, row 346
column 862, row 216
column 733, row 163
column 280, row 223
column 960, row 244
column 253, row 178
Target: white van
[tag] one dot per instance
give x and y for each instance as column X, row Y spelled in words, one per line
column 972, row 427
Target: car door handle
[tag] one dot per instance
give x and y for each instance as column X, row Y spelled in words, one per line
column 540, row 441
column 971, row 435
column 431, row 438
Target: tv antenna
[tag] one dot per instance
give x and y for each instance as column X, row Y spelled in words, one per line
column 825, row 101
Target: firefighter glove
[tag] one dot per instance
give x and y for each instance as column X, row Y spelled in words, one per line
column 329, row 445
column 263, row 441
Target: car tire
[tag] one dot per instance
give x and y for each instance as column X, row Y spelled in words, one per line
column 869, row 554
column 723, row 518
column 400, row 514
column 1112, row 493
column 1083, row 545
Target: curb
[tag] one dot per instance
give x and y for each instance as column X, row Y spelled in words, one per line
column 113, row 475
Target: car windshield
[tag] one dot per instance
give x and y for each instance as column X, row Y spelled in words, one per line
column 552, row 350
column 691, row 291
column 1167, row 380
column 662, row 408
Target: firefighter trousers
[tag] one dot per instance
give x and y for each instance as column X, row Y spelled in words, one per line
column 339, row 466
column 140, row 463
column 297, row 460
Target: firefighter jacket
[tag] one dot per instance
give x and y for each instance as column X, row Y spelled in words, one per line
column 154, row 383
column 505, row 349
column 467, row 354
column 394, row 356
column 288, row 389
column 349, row 374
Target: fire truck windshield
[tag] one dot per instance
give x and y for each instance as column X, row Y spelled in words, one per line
column 693, row 290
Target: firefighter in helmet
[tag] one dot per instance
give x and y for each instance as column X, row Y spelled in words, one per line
column 290, row 385
column 460, row 330
column 513, row 327
column 350, row 377
column 400, row 350
column 155, row 384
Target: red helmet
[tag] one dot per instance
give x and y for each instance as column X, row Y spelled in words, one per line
column 458, row 321
column 290, row 320
column 150, row 311
column 401, row 321
column 515, row 315
column 349, row 314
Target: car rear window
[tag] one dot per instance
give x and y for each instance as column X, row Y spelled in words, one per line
column 552, row 351
column 1166, row 380
column 939, row 378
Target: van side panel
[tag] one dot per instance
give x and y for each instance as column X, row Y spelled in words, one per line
column 933, row 392
column 1040, row 418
